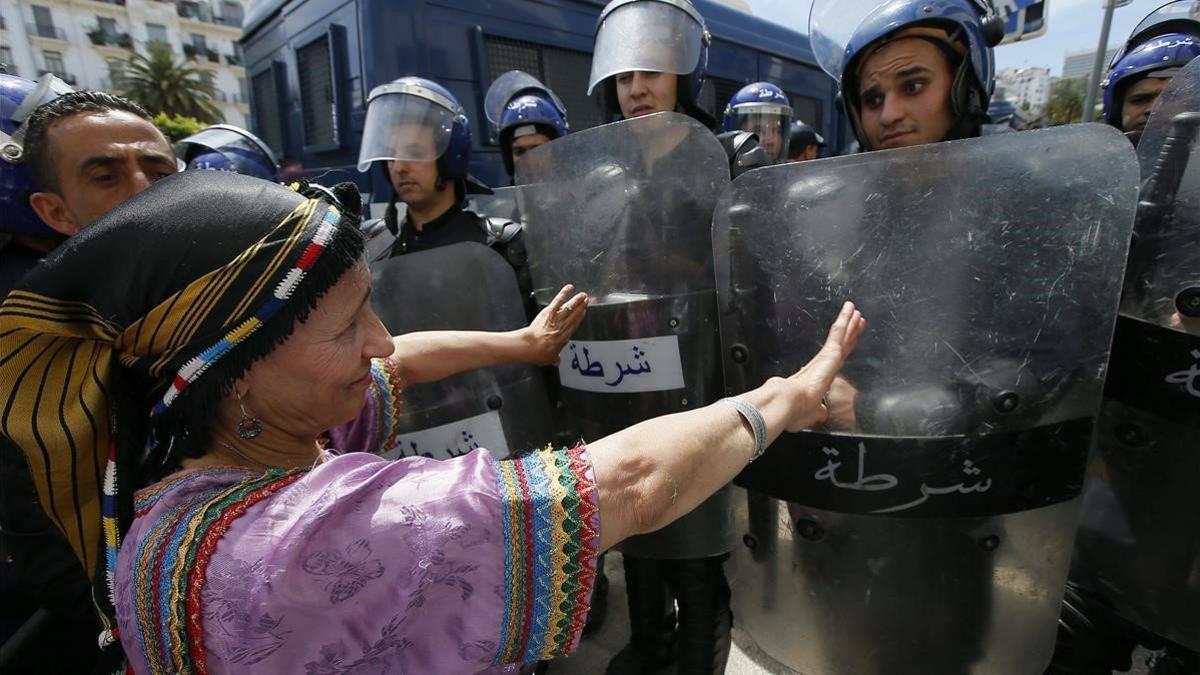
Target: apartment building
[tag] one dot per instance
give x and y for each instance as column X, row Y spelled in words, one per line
column 88, row 42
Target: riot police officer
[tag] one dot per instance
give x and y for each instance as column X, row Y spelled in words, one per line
column 764, row 110
column 957, row 373
column 1116, row 599
column 525, row 114
column 225, row 147
column 1162, row 43
column 911, row 72
column 419, row 132
column 650, row 57
column 804, row 142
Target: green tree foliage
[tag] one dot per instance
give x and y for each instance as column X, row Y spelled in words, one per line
column 177, row 127
column 163, row 85
column 1066, row 101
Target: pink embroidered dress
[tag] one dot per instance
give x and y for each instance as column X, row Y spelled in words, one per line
column 361, row 565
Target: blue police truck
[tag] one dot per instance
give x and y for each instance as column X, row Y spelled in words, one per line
column 311, row 63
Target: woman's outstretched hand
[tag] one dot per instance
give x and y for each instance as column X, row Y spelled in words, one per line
column 550, row 330
column 812, row 382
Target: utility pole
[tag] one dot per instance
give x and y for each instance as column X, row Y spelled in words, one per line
column 1089, row 102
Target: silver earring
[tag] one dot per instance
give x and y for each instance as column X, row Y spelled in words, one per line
column 249, row 427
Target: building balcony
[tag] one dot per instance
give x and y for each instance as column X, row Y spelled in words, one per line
column 46, row 31
column 65, row 77
column 196, row 53
column 100, row 38
column 202, row 13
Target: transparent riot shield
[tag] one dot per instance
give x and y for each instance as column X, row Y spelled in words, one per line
column 624, row 212
column 1138, row 547
column 462, row 287
column 927, row 527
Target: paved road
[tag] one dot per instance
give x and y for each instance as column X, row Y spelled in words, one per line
column 744, row 659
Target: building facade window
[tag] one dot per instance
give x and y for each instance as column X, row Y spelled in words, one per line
column 54, row 62
column 231, row 13
column 156, row 32
column 43, row 23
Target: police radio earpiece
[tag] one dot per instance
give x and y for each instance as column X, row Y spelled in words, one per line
column 993, row 24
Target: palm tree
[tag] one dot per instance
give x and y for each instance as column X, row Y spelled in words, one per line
column 161, row 84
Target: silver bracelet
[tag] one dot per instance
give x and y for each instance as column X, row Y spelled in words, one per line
column 757, row 424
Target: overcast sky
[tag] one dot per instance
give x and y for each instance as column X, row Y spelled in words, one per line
column 1073, row 25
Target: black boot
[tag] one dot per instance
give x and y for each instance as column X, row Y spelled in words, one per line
column 705, row 619
column 651, row 620
column 599, row 608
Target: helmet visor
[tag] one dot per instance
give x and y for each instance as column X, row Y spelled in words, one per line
column 405, row 127
column 219, row 137
column 1180, row 10
column 832, row 24
column 772, row 124
column 509, row 85
column 649, row 35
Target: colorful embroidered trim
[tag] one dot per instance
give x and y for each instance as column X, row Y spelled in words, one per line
column 201, row 362
column 385, row 391
column 551, row 537
column 172, row 559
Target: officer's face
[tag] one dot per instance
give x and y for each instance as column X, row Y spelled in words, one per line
column 101, row 160
column 643, row 92
column 524, row 144
column 769, row 131
column 415, row 180
column 1138, row 100
column 904, row 91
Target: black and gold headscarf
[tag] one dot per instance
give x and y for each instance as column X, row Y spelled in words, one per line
column 116, row 350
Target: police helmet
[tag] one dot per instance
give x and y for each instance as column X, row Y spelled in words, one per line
column 1162, row 43
column 224, row 147
column 518, row 104
column 764, row 109
column 844, row 31
column 419, row 120
column 18, row 98
column 663, row 36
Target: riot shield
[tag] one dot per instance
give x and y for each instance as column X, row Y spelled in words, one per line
column 927, row 527
column 624, row 212
column 1138, row 546
column 462, row 287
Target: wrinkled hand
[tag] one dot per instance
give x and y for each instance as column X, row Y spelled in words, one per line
column 814, row 380
column 550, row 330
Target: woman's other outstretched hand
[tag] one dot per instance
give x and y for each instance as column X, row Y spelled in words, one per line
column 550, row 330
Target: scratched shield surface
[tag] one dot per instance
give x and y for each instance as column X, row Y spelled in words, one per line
column 466, row 286
column 928, row 527
column 1139, row 538
column 624, row 212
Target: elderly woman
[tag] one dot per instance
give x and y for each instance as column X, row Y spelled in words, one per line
column 212, row 342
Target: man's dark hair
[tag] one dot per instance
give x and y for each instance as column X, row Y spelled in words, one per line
column 38, row 155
